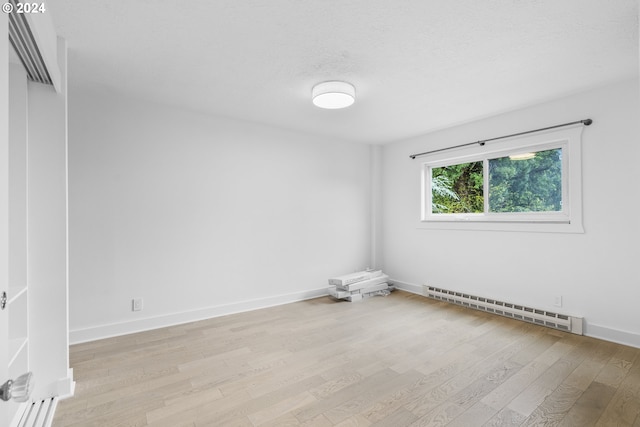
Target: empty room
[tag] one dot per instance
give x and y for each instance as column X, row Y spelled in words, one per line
column 319, row 213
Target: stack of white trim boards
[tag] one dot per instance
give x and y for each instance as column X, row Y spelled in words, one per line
column 359, row 285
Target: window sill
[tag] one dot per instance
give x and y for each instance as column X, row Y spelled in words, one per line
column 526, row 227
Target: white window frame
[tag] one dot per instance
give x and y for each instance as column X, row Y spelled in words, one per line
column 568, row 220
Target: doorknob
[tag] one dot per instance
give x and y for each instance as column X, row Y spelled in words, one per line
column 18, row 390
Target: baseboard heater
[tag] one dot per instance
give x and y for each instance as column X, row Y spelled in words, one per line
column 558, row 321
column 38, row 413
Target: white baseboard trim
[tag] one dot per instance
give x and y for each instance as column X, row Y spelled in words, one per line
column 409, row 287
column 614, row 335
column 66, row 386
column 93, row 333
column 595, row 331
column 61, row 388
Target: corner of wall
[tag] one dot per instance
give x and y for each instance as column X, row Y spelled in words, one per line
column 375, row 171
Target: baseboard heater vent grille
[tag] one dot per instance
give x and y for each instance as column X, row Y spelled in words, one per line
column 39, row 413
column 558, row 321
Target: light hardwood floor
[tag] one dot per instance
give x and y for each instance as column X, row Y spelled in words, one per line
column 401, row 360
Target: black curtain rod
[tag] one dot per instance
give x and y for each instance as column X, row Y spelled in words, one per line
column 585, row 122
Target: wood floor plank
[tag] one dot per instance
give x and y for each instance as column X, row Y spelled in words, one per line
column 183, row 402
column 397, row 361
column 341, row 396
column 506, row 392
column 505, row 418
column 533, row 396
column 589, row 407
column 458, row 403
column 401, row 417
column 356, row 421
column 290, row 420
column 263, row 402
column 477, row 414
column 553, row 409
column 332, row 386
column 441, row 415
column 555, row 406
column 624, row 406
column 286, row 406
column 356, row 403
column 614, row 372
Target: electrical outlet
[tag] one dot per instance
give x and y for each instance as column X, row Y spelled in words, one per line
column 136, row 304
column 558, row 301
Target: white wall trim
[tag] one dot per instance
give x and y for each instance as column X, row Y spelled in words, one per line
column 409, row 287
column 614, row 335
column 595, row 331
column 62, row 388
column 66, row 386
column 93, row 333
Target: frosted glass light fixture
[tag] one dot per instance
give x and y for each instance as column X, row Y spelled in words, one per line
column 333, row 95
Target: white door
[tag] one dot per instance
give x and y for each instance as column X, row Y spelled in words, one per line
column 14, row 342
column 4, row 270
column 4, row 207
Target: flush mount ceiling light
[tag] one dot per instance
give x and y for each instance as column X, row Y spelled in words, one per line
column 333, row 95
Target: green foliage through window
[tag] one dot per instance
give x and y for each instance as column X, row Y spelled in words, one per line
column 458, row 188
column 529, row 184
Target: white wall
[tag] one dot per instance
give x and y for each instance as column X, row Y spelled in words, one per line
column 203, row 216
column 595, row 272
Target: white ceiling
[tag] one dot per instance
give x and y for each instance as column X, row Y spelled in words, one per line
column 417, row 65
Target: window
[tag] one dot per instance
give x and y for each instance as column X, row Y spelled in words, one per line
column 530, row 183
column 457, row 189
column 527, row 182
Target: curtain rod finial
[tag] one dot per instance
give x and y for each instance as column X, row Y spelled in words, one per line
column 587, row 122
